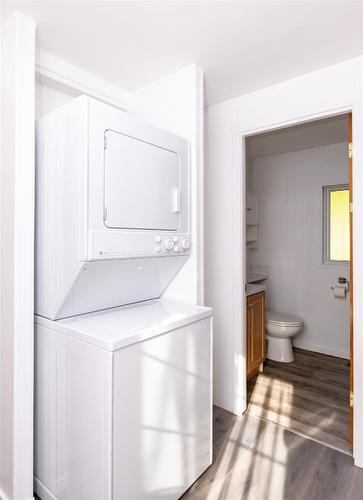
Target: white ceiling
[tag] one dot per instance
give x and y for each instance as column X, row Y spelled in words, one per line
column 314, row 134
column 242, row 46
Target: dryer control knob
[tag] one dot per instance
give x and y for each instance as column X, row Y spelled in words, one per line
column 168, row 243
column 185, row 243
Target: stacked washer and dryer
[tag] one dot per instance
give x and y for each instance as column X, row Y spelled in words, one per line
column 123, row 377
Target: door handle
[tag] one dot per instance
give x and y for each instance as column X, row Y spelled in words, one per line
column 176, row 200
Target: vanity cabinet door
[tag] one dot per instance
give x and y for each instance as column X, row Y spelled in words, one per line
column 255, row 332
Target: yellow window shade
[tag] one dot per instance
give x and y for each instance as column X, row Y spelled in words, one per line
column 339, row 225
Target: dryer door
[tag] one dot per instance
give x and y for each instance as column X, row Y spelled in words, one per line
column 142, row 185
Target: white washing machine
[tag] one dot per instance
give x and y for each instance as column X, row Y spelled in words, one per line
column 123, row 402
column 123, row 377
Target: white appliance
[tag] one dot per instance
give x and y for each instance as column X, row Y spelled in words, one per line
column 112, row 197
column 123, row 406
column 123, row 398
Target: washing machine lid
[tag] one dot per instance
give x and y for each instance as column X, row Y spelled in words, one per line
column 282, row 319
column 118, row 327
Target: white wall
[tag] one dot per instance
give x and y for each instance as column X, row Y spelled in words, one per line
column 176, row 103
column 290, row 232
column 47, row 99
column 332, row 90
column 17, row 257
column 223, row 260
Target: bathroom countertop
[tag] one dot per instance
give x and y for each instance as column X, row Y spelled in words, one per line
column 255, row 277
column 252, row 289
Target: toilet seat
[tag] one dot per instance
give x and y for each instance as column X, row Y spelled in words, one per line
column 282, row 319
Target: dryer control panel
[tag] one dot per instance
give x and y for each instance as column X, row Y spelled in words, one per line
column 143, row 245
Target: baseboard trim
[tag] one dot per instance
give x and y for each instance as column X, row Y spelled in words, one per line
column 323, row 350
column 42, row 491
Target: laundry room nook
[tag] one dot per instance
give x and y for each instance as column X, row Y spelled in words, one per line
column 123, row 367
column 122, row 372
column 181, row 275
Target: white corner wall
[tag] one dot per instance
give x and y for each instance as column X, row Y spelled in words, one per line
column 290, row 235
column 47, row 99
column 17, row 257
column 325, row 92
column 223, row 256
column 176, row 103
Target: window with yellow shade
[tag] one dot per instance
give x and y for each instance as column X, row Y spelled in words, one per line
column 336, row 224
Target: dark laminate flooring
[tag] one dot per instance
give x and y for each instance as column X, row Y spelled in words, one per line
column 258, row 460
column 309, row 396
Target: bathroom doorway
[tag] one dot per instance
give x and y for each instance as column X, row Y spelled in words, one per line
column 299, row 279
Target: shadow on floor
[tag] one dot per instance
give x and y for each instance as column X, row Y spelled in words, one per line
column 309, row 396
column 257, row 457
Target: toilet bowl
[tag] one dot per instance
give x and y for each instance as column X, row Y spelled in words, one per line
column 280, row 328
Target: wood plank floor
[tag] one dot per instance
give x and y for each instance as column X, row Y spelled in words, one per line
column 255, row 459
column 258, row 460
column 309, row 396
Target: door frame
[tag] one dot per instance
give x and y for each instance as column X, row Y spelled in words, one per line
column 17, row 256
column 351, row 287
column 240, row 345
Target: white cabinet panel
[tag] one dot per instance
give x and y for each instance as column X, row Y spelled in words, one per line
column 162, row 414
column 142, row 184
column 72, row 418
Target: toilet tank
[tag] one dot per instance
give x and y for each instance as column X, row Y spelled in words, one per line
column 112, row 209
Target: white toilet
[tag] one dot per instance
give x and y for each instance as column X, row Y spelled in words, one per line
column 280, row 328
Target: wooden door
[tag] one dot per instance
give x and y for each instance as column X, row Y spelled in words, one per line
column 350, row 155
column 255, row 332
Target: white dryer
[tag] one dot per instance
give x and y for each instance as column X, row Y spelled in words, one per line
column 112, row 209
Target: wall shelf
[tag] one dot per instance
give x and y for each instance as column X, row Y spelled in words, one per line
column 251, row 220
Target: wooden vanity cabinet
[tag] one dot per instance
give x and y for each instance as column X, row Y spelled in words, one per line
column 255, row 332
